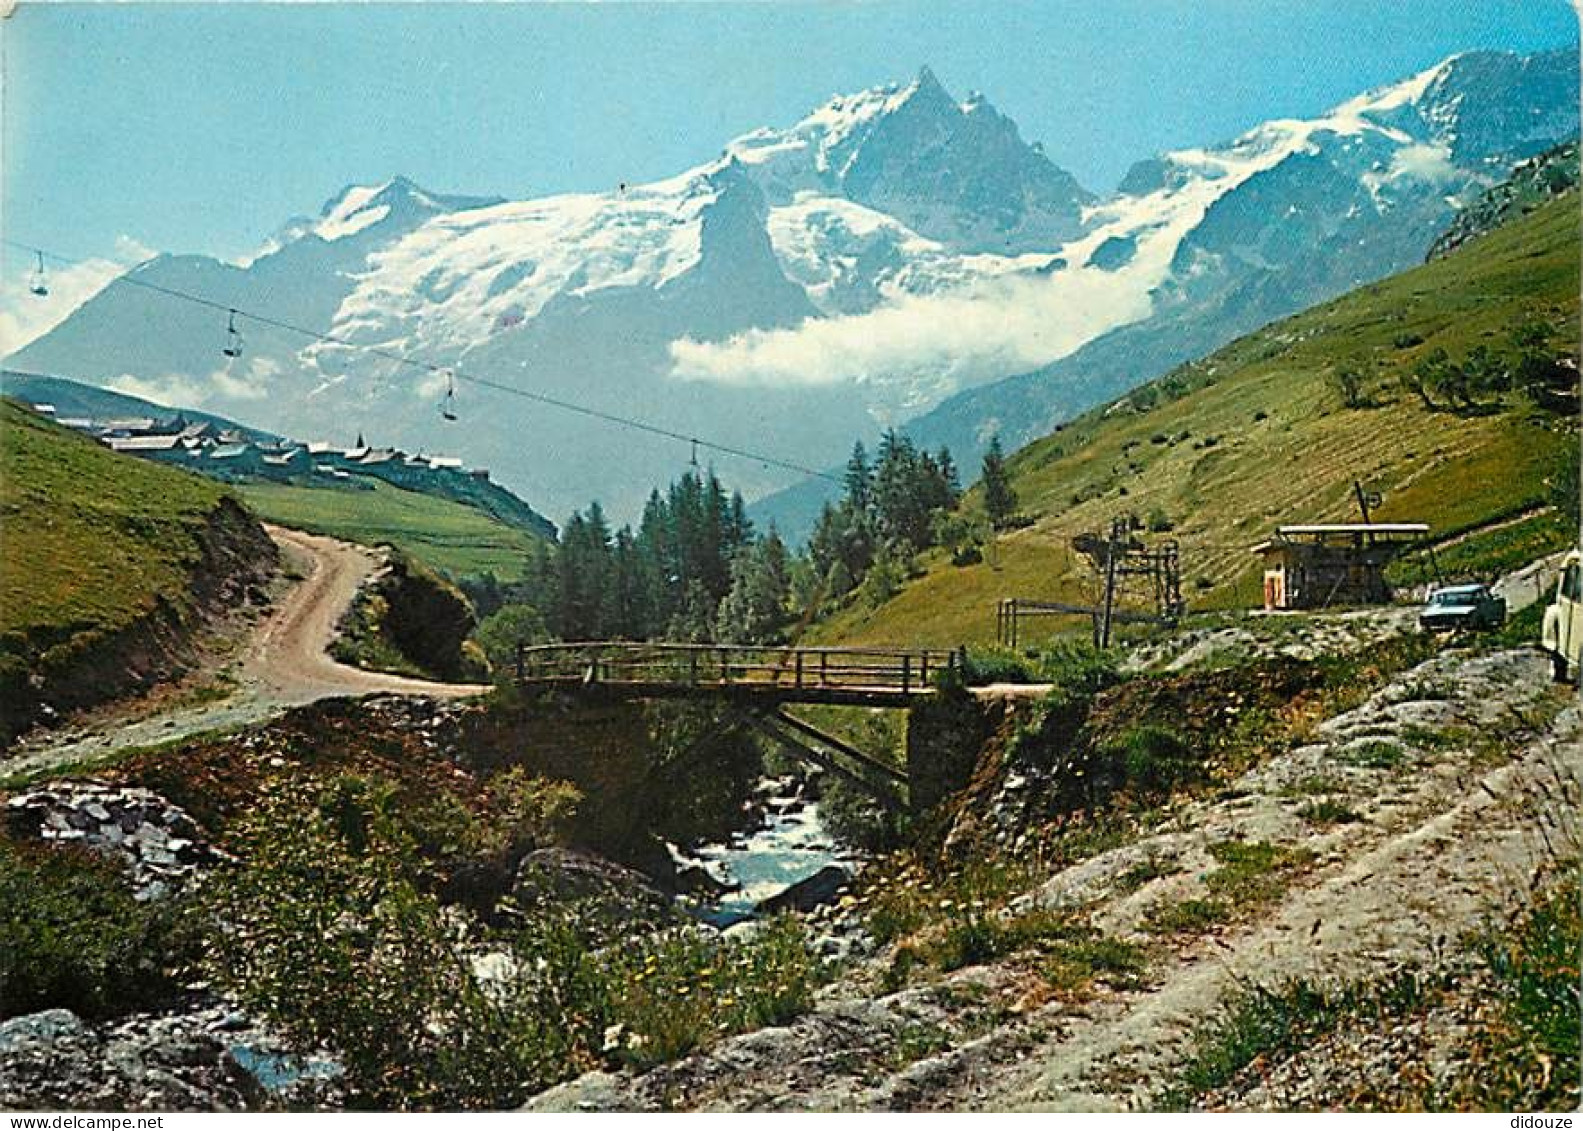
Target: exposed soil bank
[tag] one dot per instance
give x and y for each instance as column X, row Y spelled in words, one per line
column 235, row 558
column 284, row 662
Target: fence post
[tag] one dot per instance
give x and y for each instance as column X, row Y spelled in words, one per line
column 725, row 667
column 692, row 667
column 906, row 674
column 521, row 661
column 824, row 668
column 923, row 676
column 799, row 669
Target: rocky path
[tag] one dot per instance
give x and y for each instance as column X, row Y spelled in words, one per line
column 1447, row 838
column 285, row 662
column 1460, row 778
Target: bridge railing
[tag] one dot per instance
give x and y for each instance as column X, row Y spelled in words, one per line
column 885, row 670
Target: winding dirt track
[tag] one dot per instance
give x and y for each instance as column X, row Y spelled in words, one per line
column 288, row 660
column 285, row 663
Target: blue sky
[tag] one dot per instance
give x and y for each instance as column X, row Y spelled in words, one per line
column 204, row 127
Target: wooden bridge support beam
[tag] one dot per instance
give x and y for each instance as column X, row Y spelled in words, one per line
column 789, row 739
column 830, row 741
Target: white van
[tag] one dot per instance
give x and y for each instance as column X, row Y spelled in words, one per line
column 1562, row 634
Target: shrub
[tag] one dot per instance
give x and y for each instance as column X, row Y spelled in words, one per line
column 72, row 936
column 1525, row 1057
column 999, row 665
column 855, row 818
column 333, row 933
column 1078, row 667
column 974, row 936
column 1328, row 811
column 1155, row 759
column 329, row 936
column 499, row 634
column 1263, row 1023
column 1072, row 965
column 883, row 581
column 1252, row 872
column 676, row 992
column 1188, row 915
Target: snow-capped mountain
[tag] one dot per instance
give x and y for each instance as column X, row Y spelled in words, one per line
column 895, row 256
column 956, row 173
column 1226, row 238
column 398, row 205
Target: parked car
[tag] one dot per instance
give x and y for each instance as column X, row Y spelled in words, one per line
column 1562, row 632
column 1457, row 607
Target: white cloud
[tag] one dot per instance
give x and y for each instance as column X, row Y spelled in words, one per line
column 248, row 381
column 921, row 349
column 237, row 381
column 174, row 390
column 431, row 386
column 25, row 316
column 1431, row 163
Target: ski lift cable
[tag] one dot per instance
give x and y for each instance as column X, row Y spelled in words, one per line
column 457, row 374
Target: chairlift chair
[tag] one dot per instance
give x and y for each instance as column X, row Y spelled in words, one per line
column 233, row 338
column 448, row 405
column 36, row 284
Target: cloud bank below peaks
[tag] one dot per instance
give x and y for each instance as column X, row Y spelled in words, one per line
column 954, row 340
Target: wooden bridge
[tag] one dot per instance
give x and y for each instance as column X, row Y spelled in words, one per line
column 767, row 676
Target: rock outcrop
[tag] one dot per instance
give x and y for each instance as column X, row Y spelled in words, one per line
column 160, row 844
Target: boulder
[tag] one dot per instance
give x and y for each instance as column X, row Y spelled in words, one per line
column 820, row 888
column 620, row 896
column 56, row 1061
column 697, row 881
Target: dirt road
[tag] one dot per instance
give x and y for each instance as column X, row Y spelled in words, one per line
column 288, row 661
column 285, row 663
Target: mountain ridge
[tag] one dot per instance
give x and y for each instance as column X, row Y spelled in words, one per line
column 1223, row 448
column 812, row 317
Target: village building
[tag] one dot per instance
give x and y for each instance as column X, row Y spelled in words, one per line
column 1320, row 565
column 232, row 461
column 155, row 445
column 238, row 455
column 128, row 426
column 285, row 463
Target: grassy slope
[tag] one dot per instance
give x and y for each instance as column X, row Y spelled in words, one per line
column 1294, row 465
column 442, row 534
column 90, row 538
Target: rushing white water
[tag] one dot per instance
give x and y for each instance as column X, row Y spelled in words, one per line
column 792, row 845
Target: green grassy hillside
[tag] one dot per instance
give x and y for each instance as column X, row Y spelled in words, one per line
column 1257, row 434
column 90, row 538
column 445, row 535
column 107, row 566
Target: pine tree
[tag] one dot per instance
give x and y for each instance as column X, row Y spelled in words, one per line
column 755, row 609
column 859, row 478
column 1000, row 500
column 948, row 472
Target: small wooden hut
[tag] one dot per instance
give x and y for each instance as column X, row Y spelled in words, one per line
column 1316, row 566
